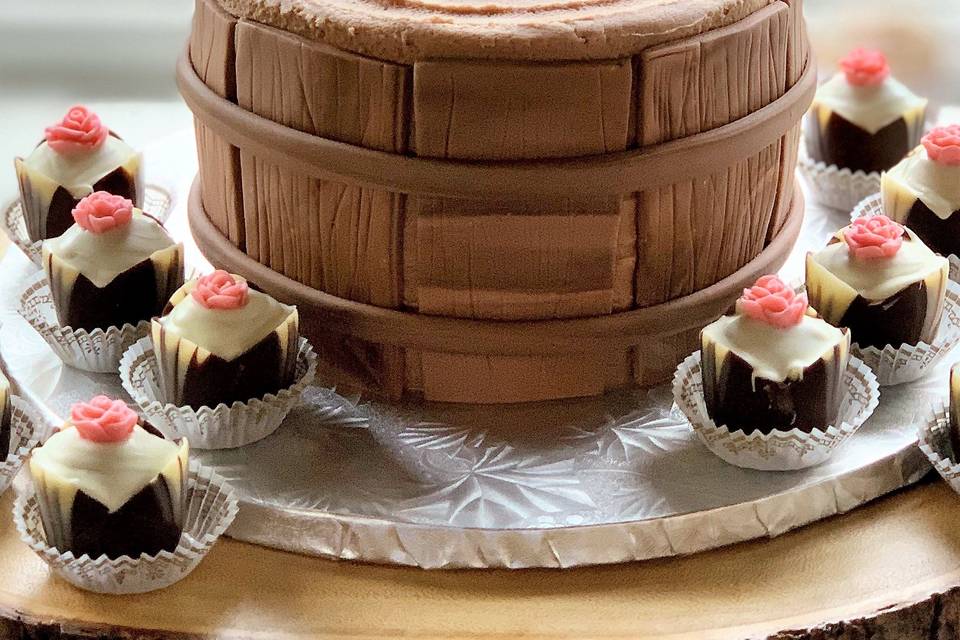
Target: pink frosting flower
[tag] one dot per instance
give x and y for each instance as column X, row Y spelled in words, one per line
column 865, row 67
column 80, row 131
column 873, row 237
column 773, row 302
column 103, row 419
column 221, row 290
column 101, row 211
column 943, row 144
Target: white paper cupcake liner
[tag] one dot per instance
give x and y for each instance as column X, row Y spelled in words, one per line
column 27, row 430
column 935, row 443
column 222, row 427
column 778, row 450
column 156, row 201
column 97, row 351
column 907, row 363
column 834, row 187
column 210, row 508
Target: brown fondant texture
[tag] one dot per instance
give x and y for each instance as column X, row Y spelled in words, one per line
column 658, row 73
column 848, row 146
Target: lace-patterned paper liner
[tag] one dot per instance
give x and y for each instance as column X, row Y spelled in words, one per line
column 27, row 430
column 210, row 508
column 222, row 427
column 157, row 202
column 834, row 187
column 97, row 351
column 778, row 450
column 935, row 443
column 907, row 363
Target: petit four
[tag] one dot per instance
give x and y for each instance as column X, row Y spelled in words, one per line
column 923, row 190
column 115, row 266
column 221, row 342
column 107, row 486
column 772, row 365
column 863, row 119
column 77, row 157
column 878, row 279
column 6, row 411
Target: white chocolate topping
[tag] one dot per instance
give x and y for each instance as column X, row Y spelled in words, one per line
column 870, row 107
column 917, row 177
column 110, row 473
column 227, row 333
column 775, row 354
column 101, row 257
column 877, row 279
column 78, row 173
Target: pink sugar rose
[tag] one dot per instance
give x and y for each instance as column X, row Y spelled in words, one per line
column 79, row 132
column 873, row 237
column 101, row 211
column 221, row 290
column 103, row 420
column 773, row 302
column 943, row 145
column 865, row 68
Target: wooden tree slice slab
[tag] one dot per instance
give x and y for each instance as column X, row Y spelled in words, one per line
column 888, row 570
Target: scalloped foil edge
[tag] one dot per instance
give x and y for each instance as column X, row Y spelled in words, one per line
column 29, row 429
column 210, row 511
column 834, row 187
column 778, row 450
column 222, row 427
column 97, row 351
column 933, row 441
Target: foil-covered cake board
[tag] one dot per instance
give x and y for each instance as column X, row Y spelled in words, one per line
column 559, row 484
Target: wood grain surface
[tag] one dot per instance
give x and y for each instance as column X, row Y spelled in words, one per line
column 888, row 570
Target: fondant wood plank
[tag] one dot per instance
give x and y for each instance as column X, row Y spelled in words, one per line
column 212, row 54
column 341, row 239
column 693, row 232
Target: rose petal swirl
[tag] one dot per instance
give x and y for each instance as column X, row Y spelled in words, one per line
column 865, row 67
column 79, row 132
column 221, row 290
column 773, row 302
column 103, row 420
column 943, row 145
column 873, row 237
column 101, row 211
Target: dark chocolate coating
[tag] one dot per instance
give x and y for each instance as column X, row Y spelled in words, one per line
column 261, row 370
column 5, row 418
column 846, row 145
column 942, row 236
column 896, row 321
column 734, row 399
column 131, row 297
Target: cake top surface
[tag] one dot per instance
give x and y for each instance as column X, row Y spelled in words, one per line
column 864, row 93
column 109, row 237
column 221, row 314
column 878, row 278
column 936, row 184
column 77, row 152
column 773, row 332
column 411, row 30
column 111, row 471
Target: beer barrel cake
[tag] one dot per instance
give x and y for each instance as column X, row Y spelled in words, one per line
column 493, row 201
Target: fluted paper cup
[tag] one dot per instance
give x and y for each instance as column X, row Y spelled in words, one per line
column 777, row 450
column 220, row 427
column 156, row 202
column 210, row 508
column 934, row 440
column 834, row 187
column 27, row 430
column 98, row 351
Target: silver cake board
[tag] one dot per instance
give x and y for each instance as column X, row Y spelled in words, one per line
column 559, row 484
